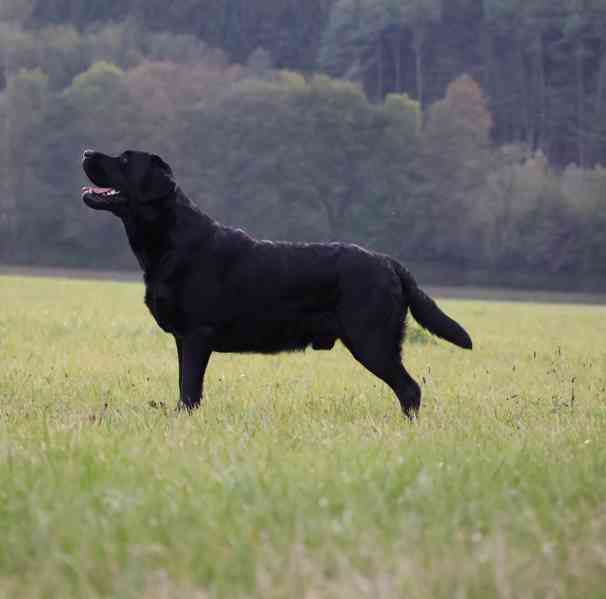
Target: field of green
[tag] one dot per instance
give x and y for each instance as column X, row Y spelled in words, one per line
column 299, row 477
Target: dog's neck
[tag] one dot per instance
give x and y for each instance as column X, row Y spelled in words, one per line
column 183, row 224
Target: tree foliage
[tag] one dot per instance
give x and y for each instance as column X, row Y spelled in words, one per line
column 466, row 133
column 299, row 150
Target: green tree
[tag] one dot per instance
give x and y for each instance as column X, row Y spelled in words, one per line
column 313, row 149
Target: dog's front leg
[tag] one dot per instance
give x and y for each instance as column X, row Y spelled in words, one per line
column 194, row 352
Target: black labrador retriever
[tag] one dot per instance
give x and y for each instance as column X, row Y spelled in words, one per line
column 215, row 288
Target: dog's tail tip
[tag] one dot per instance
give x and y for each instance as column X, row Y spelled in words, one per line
column 435, row 321
column 466, row 342
column 428, row 314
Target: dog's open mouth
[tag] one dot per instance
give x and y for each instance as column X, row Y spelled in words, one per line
column 100, row 197
column 101, row 193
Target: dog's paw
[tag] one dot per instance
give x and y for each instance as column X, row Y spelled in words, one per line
column 182, row 407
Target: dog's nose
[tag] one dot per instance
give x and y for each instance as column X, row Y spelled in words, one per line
column 87, row 154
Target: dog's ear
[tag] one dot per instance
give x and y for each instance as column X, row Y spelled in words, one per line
column 159, row 181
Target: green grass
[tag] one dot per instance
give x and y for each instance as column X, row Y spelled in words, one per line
column 299, row 477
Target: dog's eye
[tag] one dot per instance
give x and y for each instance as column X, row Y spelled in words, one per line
column 124, row 160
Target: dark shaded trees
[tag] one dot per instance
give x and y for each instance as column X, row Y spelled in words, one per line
column 289, row 29
column 541, row 65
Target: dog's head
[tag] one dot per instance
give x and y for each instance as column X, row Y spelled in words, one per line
column 131, row 181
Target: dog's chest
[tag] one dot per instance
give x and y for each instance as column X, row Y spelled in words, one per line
column 160, row 300
column 162, row 291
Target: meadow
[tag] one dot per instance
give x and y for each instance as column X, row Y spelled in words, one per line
column 299, row 477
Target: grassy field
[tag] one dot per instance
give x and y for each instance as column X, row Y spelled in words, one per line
column 299, row 477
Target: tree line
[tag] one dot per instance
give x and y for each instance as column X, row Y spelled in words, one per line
column 541, row 64
column 356, row 123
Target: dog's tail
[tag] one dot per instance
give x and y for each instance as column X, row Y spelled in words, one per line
column 427, row 313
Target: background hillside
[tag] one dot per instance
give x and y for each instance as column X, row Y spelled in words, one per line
column 463, row 136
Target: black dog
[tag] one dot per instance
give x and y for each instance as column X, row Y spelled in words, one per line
column 217, row 289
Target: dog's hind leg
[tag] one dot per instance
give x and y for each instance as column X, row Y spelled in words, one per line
column 194, row 353
column 373, row 330
column 406, row 389
column 388, row 367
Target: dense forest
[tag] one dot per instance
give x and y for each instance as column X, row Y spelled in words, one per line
column 464, row 136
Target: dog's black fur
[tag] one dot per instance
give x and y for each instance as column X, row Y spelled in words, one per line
column 215, row 288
